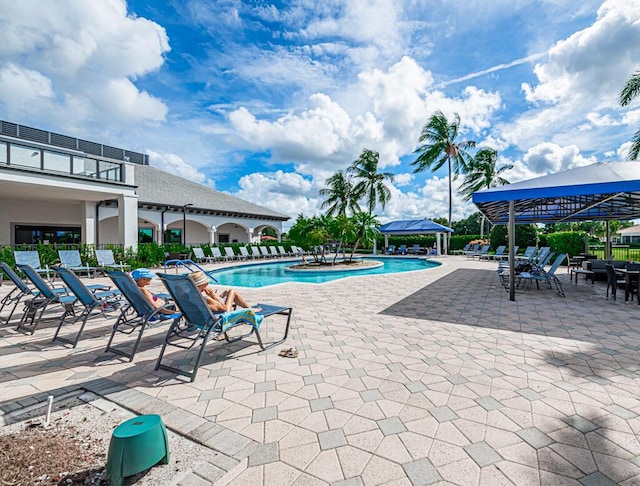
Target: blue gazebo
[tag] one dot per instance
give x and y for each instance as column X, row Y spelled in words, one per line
column 415, row 227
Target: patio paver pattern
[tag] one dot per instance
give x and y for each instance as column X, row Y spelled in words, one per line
column 428, row 377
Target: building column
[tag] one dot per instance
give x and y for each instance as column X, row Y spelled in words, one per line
column 212, row 235
column 89, row 226
column 249, row 236
column 438, row 244
column 128, row 221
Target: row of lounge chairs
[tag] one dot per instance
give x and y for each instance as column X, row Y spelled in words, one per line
column 531, row 267
column 191, row 321
column 246, row 253
column 71, row 260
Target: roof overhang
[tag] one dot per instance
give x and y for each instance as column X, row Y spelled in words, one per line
column 598, row 192
column 413, row 227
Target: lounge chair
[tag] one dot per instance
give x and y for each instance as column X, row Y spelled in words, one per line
column 136, row 315
column 283, row 253
column 480, row 254
column 391, row 249
column 107, row 261
column 91, row 304
column 217, row 255
column 71, row 260
column 31, row 258
column 497, row 255
column 402, row 250
column 274, row 252
column 34, row 308
column 255, row 253
column 229, row 254
column 265, row 253
column 474, row 249
column 201, row 257
column 529, row 252
column 244, row 254
column 20, row 291
column 199, row 322
column 461, row 252
column 548, row 277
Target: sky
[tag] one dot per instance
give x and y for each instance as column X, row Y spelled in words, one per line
column 266, row 100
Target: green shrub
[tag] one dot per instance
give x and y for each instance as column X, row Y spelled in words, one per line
column 526, row 235
column 571, row 242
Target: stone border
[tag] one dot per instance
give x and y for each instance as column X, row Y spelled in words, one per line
column 374, row 264
column 231, row 448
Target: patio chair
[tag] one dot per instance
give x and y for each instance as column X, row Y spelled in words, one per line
column 480, row 254
column 499, row 253
column 283, row 253
column 107, row 261
column 229, row 254
column 391, row 249
column 217, row 255
column 136, row 315
column 244, row 253
column 415, row 249
column 548, row 277
column 255, row 253
column 31, row 258
column 614, row 281
column 14, row 297
column 265, row 253
column 70, row 259
column 402, row 250
column 201, row 257
column 528, row 253
column 34, row 308
column 474, row 249
column 461, row 252
column 199, row 322
column 274, row 252
column 91, row 304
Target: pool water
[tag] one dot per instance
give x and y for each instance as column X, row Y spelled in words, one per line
column 264, row 274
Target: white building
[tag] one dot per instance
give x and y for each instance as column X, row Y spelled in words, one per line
column 629, row 235
column 58, row 188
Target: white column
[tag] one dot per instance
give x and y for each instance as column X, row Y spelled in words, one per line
column 89, row 225
column 212, row 235
column 438, row 244
column 128, row 221
column 249, row 235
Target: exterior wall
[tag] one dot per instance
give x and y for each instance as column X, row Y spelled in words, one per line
column 17, row 212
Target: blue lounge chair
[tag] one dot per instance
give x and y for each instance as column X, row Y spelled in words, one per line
column 391, row 249
column 199, row 322
column 479, row 254
column 474, row 249
column 91, row 304
column 136, row 315
column 34, row 308
column 71, row 260
column 20, row 291
column 548, row 277
column 402, row 250
column 106, row 261
column 31, row 258
column 499, row 253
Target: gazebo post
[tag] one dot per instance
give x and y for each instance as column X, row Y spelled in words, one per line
column 512, row 257
column 438, row 244
column 386, row 243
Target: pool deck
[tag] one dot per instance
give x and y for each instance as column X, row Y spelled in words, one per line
column 428, row 377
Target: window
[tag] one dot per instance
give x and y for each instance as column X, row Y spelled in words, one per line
column 173, row 236
column 3, row 153
column 85, row 167
column 24, row 156
column 145, row 235
column 223, row 238
column 33, row 234
column 57, row 162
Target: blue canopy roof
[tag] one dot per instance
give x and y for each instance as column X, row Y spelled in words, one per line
column 597, row 192
column 413, row 227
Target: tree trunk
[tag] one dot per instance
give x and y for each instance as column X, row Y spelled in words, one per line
column 448, row 236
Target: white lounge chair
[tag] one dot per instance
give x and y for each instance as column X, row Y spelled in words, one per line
column 283, row 253
column 229, row 253
column 244, row 254
column 201, row 257
column 265, row 253
column 255, row 253
column 215, row 251
column 274, row 252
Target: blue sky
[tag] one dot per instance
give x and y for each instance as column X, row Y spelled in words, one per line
column 265, row 100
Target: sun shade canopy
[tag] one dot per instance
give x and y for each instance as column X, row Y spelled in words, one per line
column 597, row 192
column 413, row 227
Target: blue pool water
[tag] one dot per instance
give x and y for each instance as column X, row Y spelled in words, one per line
column 264, row 274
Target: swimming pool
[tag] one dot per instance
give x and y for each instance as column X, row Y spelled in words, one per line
column 265, row 274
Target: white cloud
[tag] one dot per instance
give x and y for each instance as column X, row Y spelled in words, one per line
column 88, row 54
column 174, row 164
column 547, row 158
column 404, row 179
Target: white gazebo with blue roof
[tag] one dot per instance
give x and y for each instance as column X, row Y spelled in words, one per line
column 415, row 227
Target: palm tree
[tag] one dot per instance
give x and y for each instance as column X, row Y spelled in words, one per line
column 439, row 145
column 482, row 173
column 339, row 195
column 370, row 182
column 630, row 91
column 365, row 230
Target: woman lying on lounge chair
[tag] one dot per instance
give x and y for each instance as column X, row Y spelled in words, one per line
column 143, row 277
column 223, row 302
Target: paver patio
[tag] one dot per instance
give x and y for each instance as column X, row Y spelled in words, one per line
column 429, row 377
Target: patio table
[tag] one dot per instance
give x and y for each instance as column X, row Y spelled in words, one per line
column 630, row 278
